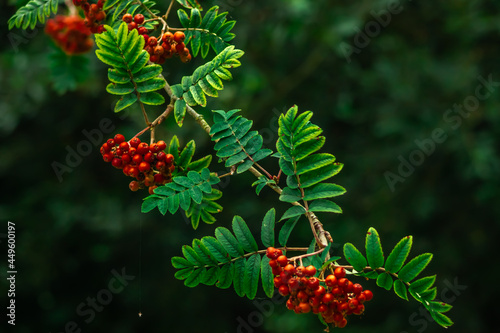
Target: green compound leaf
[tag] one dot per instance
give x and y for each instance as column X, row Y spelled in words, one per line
column 293, row 212
column 243, row 235
column 180, row 263
column 225, row 277
column 267, row 277
column 400, row 289
column 423, row 284
column 194, row 88
column 354, row 257
column 384, row 280
column 229, row 242
column 267, row 230
column 252, row 273
column 286, row 230
column 374, row 252
column 414, row 267
column 195, row 277
column 130, row 77
column 398, row 255
column 192, row 192
column 235, row 142
column 211, row 31
column 305, row 168
column 33, row 12
column 441, row 319
column 239, row 276
column 216, row 249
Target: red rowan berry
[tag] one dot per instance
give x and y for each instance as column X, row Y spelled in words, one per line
column 158, row 178
column 143, row 148
column 160, row 165
column 289, row 269
column 327, row 298
column 111, row 142
column 134, row 185
column 152, row 189
column 359, row 309
column 361, row 298
column 137, row 159
column 310, row 270
column 276, row 270
column 134, row 142
column 127, row 18
column 339, row 272
column 179, row 47
column 353, row 303
column 302, row 296
column 124, row 146
column 167, row 37
column 106, row 147
column 283, row 290
column 152, row 41
column 293, row 284
column 100, row 16
column 313, row 283
column 282, row 260
column 144, row 166
column 320, row 291
column 117, row 162
column 357, row 288
column 108, row 157
column 343, row 282
column 132, row 26
column 300, row 271
column 119, row 138
column 169, row 159
column 154, row 58
column 179, row 37
column 270, row 252
column 304, row 307
column 158, row 50
column 284, row 277
column 149, row 157
column 126, row 159
column 142, row 31
column 368, row 294
column 331, row 280
column 322, row 308
column 162, row 145
column 342, row 323
column 139, row 18
column 186, row 59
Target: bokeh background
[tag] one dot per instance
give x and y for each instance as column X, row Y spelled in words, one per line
column 394, row 88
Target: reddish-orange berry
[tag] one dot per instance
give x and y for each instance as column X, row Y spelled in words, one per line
column 134, row 142
column 342, row 323
column 127, row 18
column 310, row 270
column 357, row 288
column 331, row 280
column 139, row 18
column 313, row 283
column 167, row 37
column 304, row 307
column 152, row 41
column 339, row 272
column 368, row 294
column 289, row 269
column 132, row 26
column 282, row 260
column 169, row 159
column 283, row 290
column 134, row 185
column 179, row 37
column 161, row 145
column 327, row 298
column 144, row 167
column 320, row 291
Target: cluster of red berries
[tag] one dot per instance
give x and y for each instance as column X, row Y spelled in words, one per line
column 70, row 34
column 94, row 14
column 334, row 300
column 159, row 49
column 148, row 164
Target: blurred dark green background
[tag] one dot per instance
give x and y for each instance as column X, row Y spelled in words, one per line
column 394, row 89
